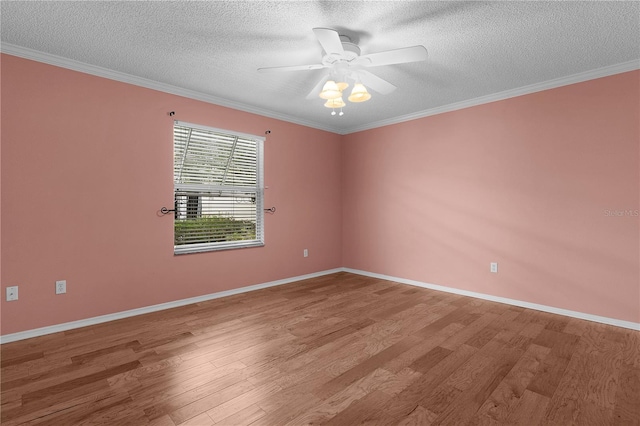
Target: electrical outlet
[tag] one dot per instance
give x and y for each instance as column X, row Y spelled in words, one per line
column 61, row 287
column 494, row 267
column 12, row 293
column 305, row 253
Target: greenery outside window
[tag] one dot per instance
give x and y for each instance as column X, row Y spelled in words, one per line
column 218, row 189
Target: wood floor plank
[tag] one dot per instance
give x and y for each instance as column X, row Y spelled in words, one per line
column 291, row 390
column 188, row 408
column 88, row 356
column 440, row 398
column 6, row 362
column 470, row 331
column 627, row 403
column 427, row 344
column 356, row 412
column 407, row 400
column 420, row 416
column 340, row 349
column 166, row 421
column 49, row 378
column 397, row 382
column 201, row 420
column 529, row 409
column 565, row 405
column 429, row 360
column 242, row 401
column 555, row 364
column 33, row 367
column 497, row 408
column 78, row 382
column 99, row 408
column 591, row 413
column 176, row 394
column 248, row 415
column 55, row 405
column 338, row 402
column 463, row 406
column 284, row 414
column 365, row 367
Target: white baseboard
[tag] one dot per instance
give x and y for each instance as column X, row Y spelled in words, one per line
column 537, row 307
column 154, row 308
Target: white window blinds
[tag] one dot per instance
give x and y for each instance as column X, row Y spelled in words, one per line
column 218, row 189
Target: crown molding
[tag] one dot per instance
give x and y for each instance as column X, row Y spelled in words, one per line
column 59, row 61
column 511, row 93
column 74, row 65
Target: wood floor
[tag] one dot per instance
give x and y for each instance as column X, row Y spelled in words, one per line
column 340, row 349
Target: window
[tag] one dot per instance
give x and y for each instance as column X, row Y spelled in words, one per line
column 218, row 189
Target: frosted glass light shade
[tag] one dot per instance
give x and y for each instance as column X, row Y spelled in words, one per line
column 359, row 93
column 335, row 103
column 330, row 90
column 342, row 85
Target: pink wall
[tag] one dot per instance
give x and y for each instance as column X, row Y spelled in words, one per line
column 524, row 182
column 86, row 165
column 87, row 162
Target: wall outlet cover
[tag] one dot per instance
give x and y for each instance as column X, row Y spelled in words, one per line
column 12, row 293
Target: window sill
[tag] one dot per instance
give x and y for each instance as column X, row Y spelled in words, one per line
column 203, row 248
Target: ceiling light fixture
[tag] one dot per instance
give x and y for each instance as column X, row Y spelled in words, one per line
column 342, row 59
column 330, row 90
column 359, row 93
column 342, row 85
column 335, row 103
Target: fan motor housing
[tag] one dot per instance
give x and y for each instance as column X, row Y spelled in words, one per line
column 351, row 51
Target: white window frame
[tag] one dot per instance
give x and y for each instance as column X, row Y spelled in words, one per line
column 200, row 188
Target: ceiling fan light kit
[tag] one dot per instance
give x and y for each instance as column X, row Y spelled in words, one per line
column 343, row 59
column 342, row 85
column 330, row 90
column 335, row 103
column 359, row 93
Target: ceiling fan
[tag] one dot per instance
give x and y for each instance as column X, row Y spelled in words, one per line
column 343, row 60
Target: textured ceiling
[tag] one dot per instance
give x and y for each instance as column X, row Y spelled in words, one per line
column 476, row 49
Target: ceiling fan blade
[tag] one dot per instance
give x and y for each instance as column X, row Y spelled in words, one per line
column 292, row 68
column 330, row 40
column 313, row 94
column 390, row 57
column 374, row 82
